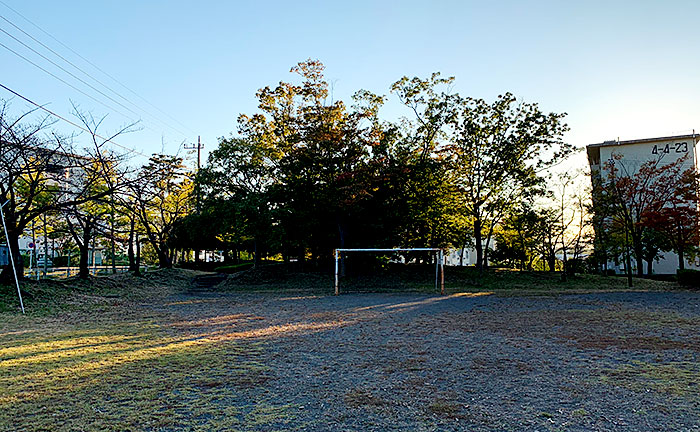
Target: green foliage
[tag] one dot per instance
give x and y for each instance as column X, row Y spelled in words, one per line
column 307, row 175
column 689, row 278
column 497, row 150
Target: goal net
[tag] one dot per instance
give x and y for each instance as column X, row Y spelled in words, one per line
column 391, row 264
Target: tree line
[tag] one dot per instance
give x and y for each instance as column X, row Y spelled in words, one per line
column 306, row 174
column 80, row 198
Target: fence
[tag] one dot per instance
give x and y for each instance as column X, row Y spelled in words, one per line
column 66, row 272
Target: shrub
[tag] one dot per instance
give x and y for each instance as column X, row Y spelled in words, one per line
column 60, row 261
column 689, row 278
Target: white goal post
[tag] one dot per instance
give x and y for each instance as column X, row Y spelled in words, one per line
column 439, row 264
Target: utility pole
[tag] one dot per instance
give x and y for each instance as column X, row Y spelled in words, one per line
column 199, row 148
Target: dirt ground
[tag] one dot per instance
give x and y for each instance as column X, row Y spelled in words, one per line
column 269, row 361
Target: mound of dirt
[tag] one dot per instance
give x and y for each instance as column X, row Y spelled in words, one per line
column 277, row 277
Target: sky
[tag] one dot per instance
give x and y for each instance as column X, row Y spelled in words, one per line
column 620, row 69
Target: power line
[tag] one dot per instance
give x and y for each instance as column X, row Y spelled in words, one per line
column 96, row 67
column 73, row 75
column 86, row 74
column 130, row 150
column 62, row 80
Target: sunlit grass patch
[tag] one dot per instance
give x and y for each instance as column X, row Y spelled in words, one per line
column 126, row 376
column 674, row 378
column 279, row 417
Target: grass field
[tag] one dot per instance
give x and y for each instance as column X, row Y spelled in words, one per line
column 128, row 353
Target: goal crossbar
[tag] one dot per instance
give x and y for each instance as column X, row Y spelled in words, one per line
column 439, row 263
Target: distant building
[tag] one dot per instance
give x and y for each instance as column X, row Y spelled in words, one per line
column 4, row 256
column 633, row 154
column 465, row 256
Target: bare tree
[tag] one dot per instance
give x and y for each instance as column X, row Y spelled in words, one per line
column 34, row 164
column 99, row 175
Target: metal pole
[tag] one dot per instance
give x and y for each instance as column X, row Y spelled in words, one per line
column 337, row 253
column 46, row 248
column 34, row 252
column 437, row 269
column 12, row 258
column 442, row 273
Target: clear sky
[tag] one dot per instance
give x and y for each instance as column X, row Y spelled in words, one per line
column 625, row 69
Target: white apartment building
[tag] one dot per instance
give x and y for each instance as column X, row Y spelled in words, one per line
column 633, row 154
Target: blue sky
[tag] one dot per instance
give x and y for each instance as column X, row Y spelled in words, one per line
column 620, row 69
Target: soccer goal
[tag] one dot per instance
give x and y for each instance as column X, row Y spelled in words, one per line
column 439, row 263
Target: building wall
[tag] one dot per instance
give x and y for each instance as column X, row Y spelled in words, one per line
column 633, row 155
column 468, row 255
column 668, row 151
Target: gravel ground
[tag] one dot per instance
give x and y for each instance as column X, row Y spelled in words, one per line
column 605, row 362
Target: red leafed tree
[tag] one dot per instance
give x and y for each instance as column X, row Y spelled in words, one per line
column 637, row 199
column 679, row 220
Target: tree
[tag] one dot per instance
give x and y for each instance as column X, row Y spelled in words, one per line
column 162, row 194
column 518, row 239
column 676, row 226
column 430, row 200
column 37, row 174
column 632, row 195
column 236, row 178
column 98, row 179
column 497, row 151
column 313, row 155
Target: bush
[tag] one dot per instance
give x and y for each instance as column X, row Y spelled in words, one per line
column 689, row 278
column 574, row 266
column 60, row 261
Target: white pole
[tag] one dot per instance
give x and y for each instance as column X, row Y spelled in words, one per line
column 437, row 269
column 337, row 253
column 12, row 258
column 33, row 254
column 442, row 272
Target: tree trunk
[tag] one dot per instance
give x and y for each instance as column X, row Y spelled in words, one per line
column 478, row 246
column 552, row 262
column 130, row 249
column 649, row 266
column 256, row 255
column 7, row 275
column 639, row 257
column 681, row 260
column 84, row 264
column 138, row 257
column 163, row 258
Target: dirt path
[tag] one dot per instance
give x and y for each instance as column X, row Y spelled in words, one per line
column 213, row 361
column 615, row 362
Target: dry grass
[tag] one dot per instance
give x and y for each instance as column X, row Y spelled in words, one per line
column 675, row 378
column 97, row 361
column 413, row 278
